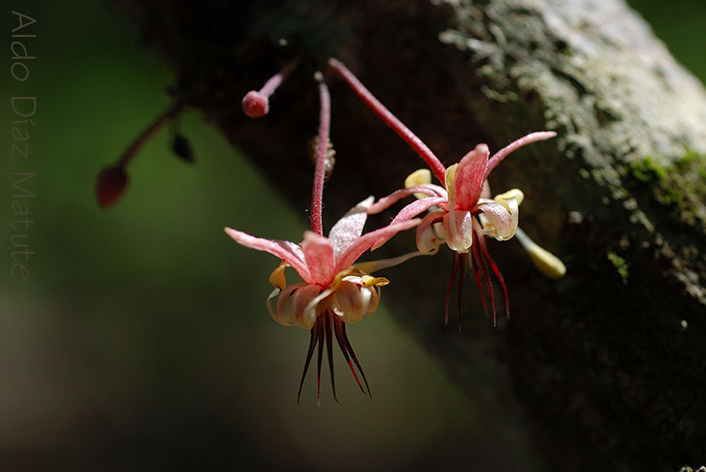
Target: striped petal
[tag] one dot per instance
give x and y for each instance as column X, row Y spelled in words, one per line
column 368, row 240
column 318, row 254
column 349, row 228
column 410, row 211
column 427, row 190
column 469, row 178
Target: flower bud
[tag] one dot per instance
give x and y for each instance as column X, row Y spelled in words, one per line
column 255, row 104
column 111, row 185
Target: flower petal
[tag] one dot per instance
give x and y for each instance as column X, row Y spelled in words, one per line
column 318, row 254
column 430, row 190
column 503, row 223
column 486, row 190
column 349, row 228
column 458, row 226
column 355, row 302
column 367, row 240
column 304, row 306
column 285, row 250
column 284, row 313
column 373, row 266
column 428, row 241
column 409, row 212
column 470, row 175
column 513, row 146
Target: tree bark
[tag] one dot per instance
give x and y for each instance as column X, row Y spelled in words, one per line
column 601, row 370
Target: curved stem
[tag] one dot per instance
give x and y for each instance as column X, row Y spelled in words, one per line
column 171, row 113
column 271, row 85
column 317, row 193
column 391, row 120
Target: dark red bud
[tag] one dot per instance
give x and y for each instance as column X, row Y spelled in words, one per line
column 255, row 104
column 110, row 186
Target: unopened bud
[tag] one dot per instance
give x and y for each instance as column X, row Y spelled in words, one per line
column 111, row 185
column 255, row 104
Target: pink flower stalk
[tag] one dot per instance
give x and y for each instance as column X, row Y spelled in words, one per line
column 333, row 291
column 257, row 104
column 463, row 213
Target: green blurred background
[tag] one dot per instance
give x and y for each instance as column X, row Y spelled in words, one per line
column 141, row 340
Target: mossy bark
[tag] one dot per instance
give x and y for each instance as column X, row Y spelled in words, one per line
column 602, row 370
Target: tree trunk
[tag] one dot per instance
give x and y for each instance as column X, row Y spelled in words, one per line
column 601, row 370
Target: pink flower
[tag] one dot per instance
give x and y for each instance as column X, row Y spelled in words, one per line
column 465, row 214
column 333, row 291
column 462, row 212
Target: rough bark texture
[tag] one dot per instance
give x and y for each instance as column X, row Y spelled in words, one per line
column 602, row 370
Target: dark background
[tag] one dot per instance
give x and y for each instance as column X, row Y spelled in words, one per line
column 141, row 340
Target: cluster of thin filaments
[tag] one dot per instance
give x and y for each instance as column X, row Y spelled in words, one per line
column 328, row 325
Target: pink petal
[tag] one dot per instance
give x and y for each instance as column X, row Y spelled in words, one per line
column 285, row 250
column 409, row 212
column 318, row 254
column 394, row 197
column 367, row 240
column 469, row 178
column 486, row 190
column 513, row 146
column 349, row 228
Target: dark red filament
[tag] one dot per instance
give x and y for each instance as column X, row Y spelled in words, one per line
column 328, row 325
column 482, row 264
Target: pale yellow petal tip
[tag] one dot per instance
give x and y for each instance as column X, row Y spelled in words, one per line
column 547, row 263
column 515, row 193
column 369, row 281
column 277, row 278
column 450, row 176
column 417, row 178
